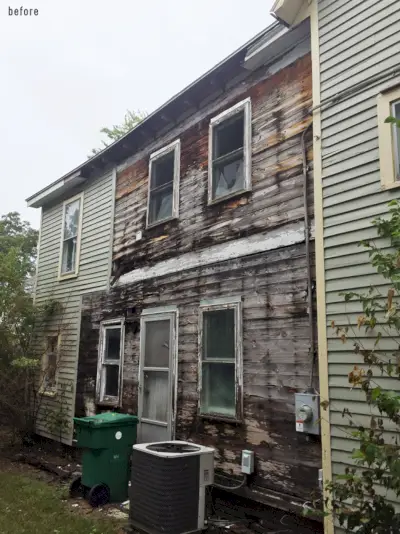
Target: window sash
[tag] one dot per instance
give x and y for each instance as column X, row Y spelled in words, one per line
column 236, row 412
column 154, row 191
column 103, row 363
column 243, row 152
column 73, row 238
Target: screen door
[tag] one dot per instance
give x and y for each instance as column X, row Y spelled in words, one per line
column 157, row 376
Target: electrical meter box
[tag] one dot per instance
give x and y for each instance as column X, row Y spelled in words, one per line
column 307, row 413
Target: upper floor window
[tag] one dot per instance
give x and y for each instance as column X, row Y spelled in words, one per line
column 220, row 358
column 163, row 199
column 389, row 138
column 71, row 236
column 229, row 165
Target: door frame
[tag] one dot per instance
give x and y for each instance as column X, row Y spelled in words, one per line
column 158, row 314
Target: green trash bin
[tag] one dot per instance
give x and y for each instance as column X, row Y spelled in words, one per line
column 107, row 440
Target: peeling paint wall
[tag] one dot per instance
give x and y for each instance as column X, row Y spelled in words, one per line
column 280, row 105
column 276, row 360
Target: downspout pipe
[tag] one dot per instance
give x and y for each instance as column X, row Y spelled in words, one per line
column 308, row 256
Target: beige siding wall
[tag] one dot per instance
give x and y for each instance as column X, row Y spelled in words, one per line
column 359, row 39
column 98, row 204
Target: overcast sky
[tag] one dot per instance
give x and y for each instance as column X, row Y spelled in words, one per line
column 80, row 64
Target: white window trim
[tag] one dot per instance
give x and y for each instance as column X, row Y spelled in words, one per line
column 100, row 397
column 75, row 273
column 46, row 391
column 224, row 303
column 244, row 105
column 159, row 314
column 387, row 154
column 175, row 146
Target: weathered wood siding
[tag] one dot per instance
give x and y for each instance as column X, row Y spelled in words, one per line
column 93, row 274
column 359, row 39
column 276, row 362
column 280, row 105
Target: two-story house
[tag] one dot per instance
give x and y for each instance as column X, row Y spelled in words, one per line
column 356, row 86
column 202, row 322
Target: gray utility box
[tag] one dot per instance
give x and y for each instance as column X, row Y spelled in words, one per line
column 307, row 413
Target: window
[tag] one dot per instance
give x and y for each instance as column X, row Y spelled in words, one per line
column 109, row 373
column 49, row 365
column 164, row 169
column 229, row 166
column 71, row 233
column 389, row 138
column 220, row 358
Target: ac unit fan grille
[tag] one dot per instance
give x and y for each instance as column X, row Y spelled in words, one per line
column 164, row 493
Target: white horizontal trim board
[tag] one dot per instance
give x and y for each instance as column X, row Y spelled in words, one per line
column 283, row 237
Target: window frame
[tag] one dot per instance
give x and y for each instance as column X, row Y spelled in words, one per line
column 387, row 149
column 245, row 106
column 101, row 398
column 175, row 147
column 75, row 272
column 44, row 390
column 218, row 304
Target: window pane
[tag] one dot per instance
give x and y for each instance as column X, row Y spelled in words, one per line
column 157, row 344
column 218, row 388
column 112, row 379
column 219, row 334
column 396, row 113
column 51, row 369
column 160, row 206
column 112, row 344
column 229, row 135
column 71, row 222
column 228, row 178
column 155, row 395
column 162, row 170
column 69, row 256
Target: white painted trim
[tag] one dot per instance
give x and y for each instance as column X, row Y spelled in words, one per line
column 175, row 146
column 104, row 325
column 112, row 216
column 75, row 273
column 78, row 341
column 290, row 235
column 160, row 309
column 387, row 138
column 214, row 305
column 245, row 106
column 220, row 301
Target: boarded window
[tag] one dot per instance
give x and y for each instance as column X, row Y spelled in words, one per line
column 50, row 362
column 71, row 236
column 230, row 152
column 164, row 184
column 220, row 359
column 110, row 362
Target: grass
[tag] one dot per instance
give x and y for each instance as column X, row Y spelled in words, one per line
column 29, row 506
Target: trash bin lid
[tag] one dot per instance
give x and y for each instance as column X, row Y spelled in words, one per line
column 106, row 419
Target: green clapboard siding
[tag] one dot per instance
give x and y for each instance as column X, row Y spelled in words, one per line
column 95, row 258
column 358, row 39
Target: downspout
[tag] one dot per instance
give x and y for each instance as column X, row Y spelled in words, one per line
column 308, row 258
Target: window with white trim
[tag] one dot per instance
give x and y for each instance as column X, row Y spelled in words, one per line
column 389, row 138
column 163, row 196
column 229, row 165
column 71, row 234
column 109, row 373
column 220, row 358
column 49, row 365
